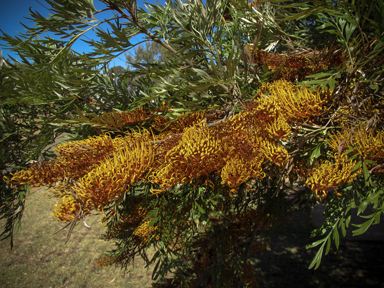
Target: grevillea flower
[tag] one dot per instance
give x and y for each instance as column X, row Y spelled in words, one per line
column 188, row 120
column 244, row 127
column 74, row 161
column 37, row 175
column 198, row 153
column 335, row 139
column 332, row 175
column 113, row 177
column 166, row 144
column 278, row 129
column 67, row 208
column 267, row 109
column 273, row 151
column 242, row 146
column 369, row 144
column 296, row 102
column 133, row 117
column 238, row 170
column 297, row 67
column 144, row 231
column 121, row 119
column 284, row 104
column 234, row 126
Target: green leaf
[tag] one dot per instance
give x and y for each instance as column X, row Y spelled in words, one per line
column 314, row 244
column 367, row 216
column 320, row 74
column 354, row 157
column 201, row 210
column 350, row 149
column 365, row 172
column 153, row 222
column 357, row 166
column 306, row 13
column 336, row 237
column 363, row 227
column 370, row 162
column 363, row 205
column 82, row 116
column 203, row 87
column 343, row 230
column 315, row 153
column 328, row 246
column 317, row 259
column 348, row 220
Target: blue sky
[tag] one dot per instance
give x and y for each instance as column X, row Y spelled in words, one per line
column 13, row 12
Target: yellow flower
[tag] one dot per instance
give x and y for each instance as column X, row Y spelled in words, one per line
column 110, row 179
column 67, row 208
column 160, row 122
column 197, row 153
column 267, row 109
column 271, row 150
column 295, row 102
column 369, row 144
column 74, row 161
column 332, row 175
column 239, row 170
column 144, row 231
column 279, row 129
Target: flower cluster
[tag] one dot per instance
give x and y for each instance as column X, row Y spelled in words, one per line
column 297, row 67
column 102, row 168
column 296, row 102
column 238, row 146
column 277, row 154
column 161, row 123
column 198, row 153
column 166, row 145
column 238, row 170
column 74, row 161
column 122, row 119
column 67, row 208
column 144, row 231
column 113, row 176
column 368, row 144
column 280, row 105
column 332, row 175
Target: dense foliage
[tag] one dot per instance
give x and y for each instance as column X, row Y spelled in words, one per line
column 260, row 108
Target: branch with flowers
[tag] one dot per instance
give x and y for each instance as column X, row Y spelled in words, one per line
column 206, row 152
column 225, row 157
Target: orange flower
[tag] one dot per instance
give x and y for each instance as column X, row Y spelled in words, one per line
column 197, row 153
column 67, row 208
column 112, row 177
column 332, row 175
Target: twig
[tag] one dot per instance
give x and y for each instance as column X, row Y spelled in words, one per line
column 378, row 166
